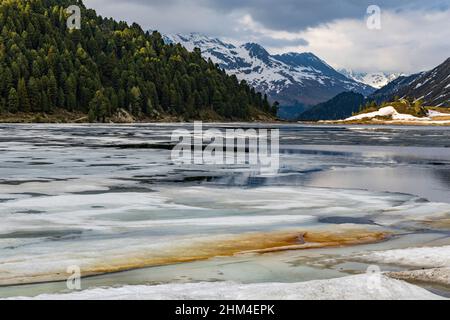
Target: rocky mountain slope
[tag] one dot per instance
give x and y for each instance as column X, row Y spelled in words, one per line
column 432, row 87
column 392, row 89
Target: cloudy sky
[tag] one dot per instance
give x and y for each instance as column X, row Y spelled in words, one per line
column 414, row 34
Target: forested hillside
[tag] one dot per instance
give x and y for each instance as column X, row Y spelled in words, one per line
column 340, row 107
column 106, row 66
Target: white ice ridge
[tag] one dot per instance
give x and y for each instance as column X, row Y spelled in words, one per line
column 359, row 287
column 426, row 257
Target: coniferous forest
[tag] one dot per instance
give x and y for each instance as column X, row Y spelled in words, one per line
column 108, row 66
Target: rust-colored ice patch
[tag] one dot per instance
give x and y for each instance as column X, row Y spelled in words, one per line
column 247, row 243
column 322, row 239
column 202, row 249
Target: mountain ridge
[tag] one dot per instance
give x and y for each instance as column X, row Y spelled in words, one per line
column 431, row 87
column 293, row 79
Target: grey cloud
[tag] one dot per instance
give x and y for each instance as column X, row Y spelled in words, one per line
column 290, row 15
column 272, row 42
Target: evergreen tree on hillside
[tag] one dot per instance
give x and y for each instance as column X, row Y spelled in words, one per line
column 45, row 66
column 22, row 93
column 13, row 101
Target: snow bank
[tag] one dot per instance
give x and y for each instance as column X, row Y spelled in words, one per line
column 359, row 287
column 434, row 114
column 426, row 257
column 436, row 275
column 432, row 264
column 383, row 112
column 396, row 116
column 386, row 112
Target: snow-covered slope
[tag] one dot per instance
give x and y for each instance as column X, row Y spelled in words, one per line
column 291, row 78
column 432, row 87
column 376, row 79
column 391, row 90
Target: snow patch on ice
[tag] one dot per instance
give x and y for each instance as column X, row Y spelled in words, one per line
column 426, row 257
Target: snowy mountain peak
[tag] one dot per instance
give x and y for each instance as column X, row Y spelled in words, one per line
column 305, row 55
column 193, row 40
column 256, row 51
column 375, row 79
column 292, row 78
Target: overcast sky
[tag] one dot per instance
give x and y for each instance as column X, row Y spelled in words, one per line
column 414, row 34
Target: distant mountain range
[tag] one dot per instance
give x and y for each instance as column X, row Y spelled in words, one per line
column 293, row 79
column 307, row 87
column 376, row 80
column 431, row 87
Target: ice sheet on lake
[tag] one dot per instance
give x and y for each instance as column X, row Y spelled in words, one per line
column 89, row 194
column 95, row 231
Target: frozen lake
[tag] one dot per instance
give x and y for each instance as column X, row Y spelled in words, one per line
column 108, row 198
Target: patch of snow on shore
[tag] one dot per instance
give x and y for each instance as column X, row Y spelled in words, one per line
column 390, row 111
column 386, row 112
column 434, row 114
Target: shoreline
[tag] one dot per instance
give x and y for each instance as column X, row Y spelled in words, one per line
column 174, row 120
column 390, row 123
column 278, row 122
column 123, row 117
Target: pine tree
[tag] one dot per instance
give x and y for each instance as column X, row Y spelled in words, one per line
column 22, row 93
column 98, row 107
column 135, row 101
column 2, row 105
column 34, row 94
column 52, row 91
column 13, row 101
